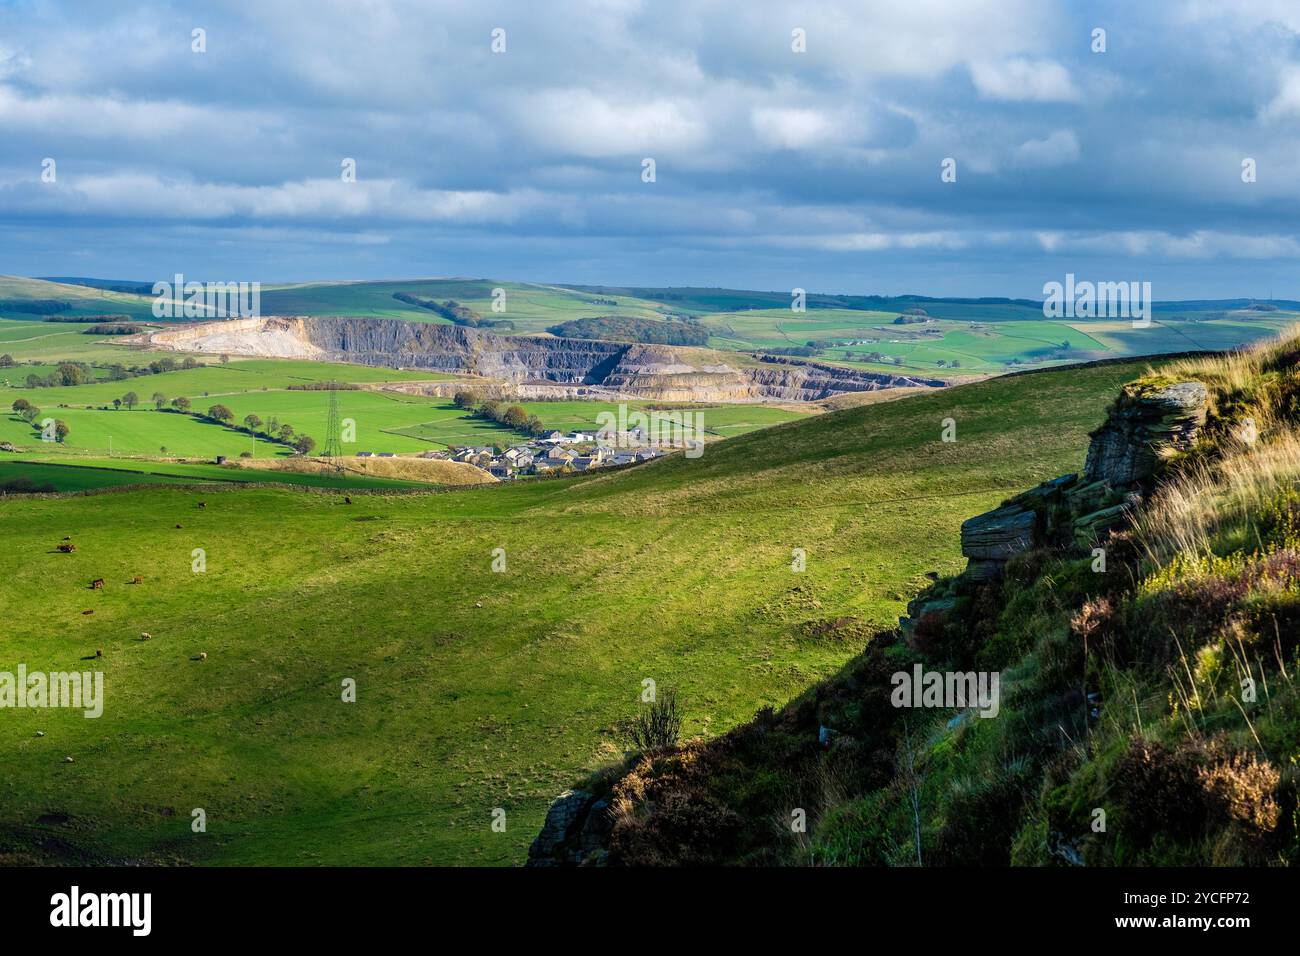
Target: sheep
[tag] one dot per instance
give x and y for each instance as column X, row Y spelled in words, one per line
column 203, row 655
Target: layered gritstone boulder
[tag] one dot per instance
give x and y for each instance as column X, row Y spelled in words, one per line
column 1145, row 425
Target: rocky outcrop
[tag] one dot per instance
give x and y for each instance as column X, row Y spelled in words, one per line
column 575, row 832
column 1145, row 424
column 653, row 372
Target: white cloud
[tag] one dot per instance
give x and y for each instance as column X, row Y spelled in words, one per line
column 119, row 118
column 1018, row 79
column 1199, row 244
column 874, row 241
column 144, row 195
column 1286, row 103
column 783, row 128
column 579, row 122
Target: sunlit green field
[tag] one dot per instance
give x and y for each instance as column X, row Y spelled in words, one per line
column 476, row 690
column 372, row 420
column 530, row 307
column 987, row 347
column 52, row 342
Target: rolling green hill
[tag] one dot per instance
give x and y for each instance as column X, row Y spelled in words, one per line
column 965, row 337
column 476, row 690
column 1116, row 677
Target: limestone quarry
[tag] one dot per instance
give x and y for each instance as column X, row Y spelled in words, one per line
column 532, row 365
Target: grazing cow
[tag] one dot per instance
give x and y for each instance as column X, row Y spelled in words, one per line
column 137, row 580
column 67, row 548
column 203, row 655
column 203, row 504
column 99, row 652
column 146, row 636
column 97, row 584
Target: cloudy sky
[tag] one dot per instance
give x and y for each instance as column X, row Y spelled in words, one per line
column 773, row 168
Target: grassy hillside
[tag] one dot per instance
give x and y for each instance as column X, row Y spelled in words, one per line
column 82, row 300
column 529, row 306
column 1148, row 709
column 475, row 689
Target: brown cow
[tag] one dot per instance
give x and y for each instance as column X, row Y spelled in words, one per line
column 97, row 584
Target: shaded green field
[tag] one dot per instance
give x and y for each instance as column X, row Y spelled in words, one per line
column 81, row 474
column 475, row 690
column 63, row 477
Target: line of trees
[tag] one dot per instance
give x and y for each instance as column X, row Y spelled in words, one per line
column 627, row 328
column 30, row 414
column 512, row 416
column 35, row 306
column 454, row 312
column 101, row 317
column 81, row 373
column 271, row 429
column 114, row 328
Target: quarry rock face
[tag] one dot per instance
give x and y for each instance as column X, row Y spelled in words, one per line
column 657, row 372
column 1125, row 453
